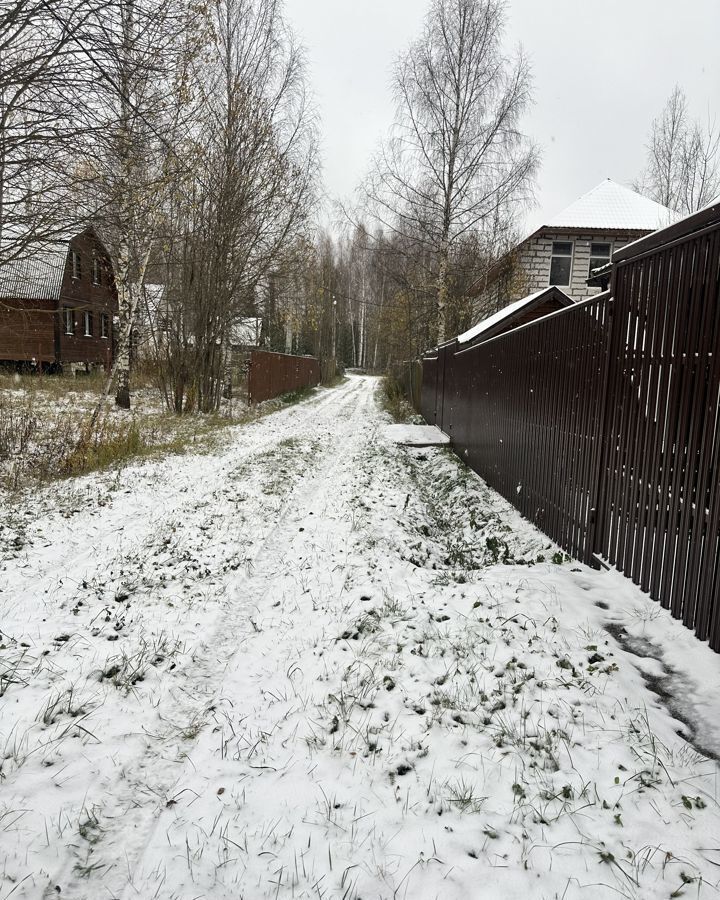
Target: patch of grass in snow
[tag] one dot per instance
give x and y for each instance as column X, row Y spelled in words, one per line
column 68, row 702
column 394, row 402
column 129, row 668
column 48, row 388
column 296, row 396
column 46, row 430
column 521, row 697
column 461, row 794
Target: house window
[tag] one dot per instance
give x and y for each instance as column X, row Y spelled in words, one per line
column 561, row 263
column 76, row 264
column 69, row 320
column 104, row 325
column 96, row 272
column 88, row 324
column 599, row 256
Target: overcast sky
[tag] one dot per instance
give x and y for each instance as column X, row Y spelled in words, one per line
column 602, row 71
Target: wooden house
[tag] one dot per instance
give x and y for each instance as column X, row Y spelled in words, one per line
column 57, row 305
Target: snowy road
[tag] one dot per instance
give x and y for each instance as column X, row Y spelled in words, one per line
column 310, row 663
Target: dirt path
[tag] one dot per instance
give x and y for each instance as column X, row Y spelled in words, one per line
column 312, row 664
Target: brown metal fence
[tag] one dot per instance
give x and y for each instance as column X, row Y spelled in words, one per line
column 601, row 422
column 273, row 374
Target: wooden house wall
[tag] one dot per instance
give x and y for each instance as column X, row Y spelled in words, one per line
column 27, row 330
column 81, row 295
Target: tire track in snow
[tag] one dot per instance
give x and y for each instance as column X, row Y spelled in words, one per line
column 152, row 775
column 268, row 567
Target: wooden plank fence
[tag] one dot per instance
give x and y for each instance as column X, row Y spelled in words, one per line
column 601, row 423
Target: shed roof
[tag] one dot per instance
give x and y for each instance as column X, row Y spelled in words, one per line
column 613, row 206
column 513, row 309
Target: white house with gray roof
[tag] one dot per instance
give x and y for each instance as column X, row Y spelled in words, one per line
column 565, row 250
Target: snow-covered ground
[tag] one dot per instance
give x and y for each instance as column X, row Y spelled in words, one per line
column 314, row 664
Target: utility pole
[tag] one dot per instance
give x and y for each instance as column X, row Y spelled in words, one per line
column 334, row 336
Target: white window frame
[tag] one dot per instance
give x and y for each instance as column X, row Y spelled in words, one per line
column 69, row 316
column 104, row 326
column 590, row 257
column 76, row 265
column 96, row 273
column 87, row 320
column 562, row 256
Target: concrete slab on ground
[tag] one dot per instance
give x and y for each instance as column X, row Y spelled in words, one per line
column 417, row 435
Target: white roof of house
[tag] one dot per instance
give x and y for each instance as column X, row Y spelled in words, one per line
column 504, row 313
column 613, row 206
column 153, row 294
column 246, row 332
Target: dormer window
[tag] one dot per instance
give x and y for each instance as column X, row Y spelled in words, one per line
column 76, row 264
column 96, row 271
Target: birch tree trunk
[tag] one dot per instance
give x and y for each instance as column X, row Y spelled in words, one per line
column 442, row 292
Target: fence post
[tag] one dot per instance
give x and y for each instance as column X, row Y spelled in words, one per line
column 599, row 479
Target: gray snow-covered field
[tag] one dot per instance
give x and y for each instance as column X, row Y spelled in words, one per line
column 314, row 664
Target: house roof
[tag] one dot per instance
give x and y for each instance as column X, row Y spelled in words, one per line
column 38, row 273
column 687, row 226
column 513, row 309
column 613, row 206
column 37, row 276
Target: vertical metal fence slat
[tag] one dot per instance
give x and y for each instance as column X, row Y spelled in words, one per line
column 709, row 493
column 697, row 350
column 664, row 557
column 652, row 450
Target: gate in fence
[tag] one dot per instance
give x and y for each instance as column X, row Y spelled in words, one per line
column 601, row 422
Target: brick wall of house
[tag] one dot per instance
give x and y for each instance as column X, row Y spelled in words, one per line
column 510, row 283
column 534, row 258
column 527, row 270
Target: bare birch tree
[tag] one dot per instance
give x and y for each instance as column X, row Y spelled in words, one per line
column 39, row 81
column 456, row 154
column 137, row 59
column 248, row 196
column 683, row 158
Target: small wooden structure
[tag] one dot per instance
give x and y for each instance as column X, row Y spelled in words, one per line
column 535, row 306
column 57, row 305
